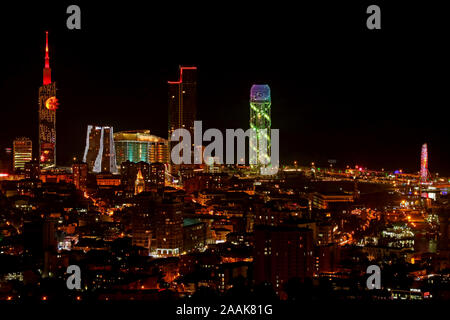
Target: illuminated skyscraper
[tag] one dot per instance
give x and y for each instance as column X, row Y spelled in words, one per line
column 22, row 152
column 169, row 233
column 47, row 115
column 157, row 224
column 100, row 154
column 140, row 145
column 260, row 103
column 424, row 173
column 183, row 102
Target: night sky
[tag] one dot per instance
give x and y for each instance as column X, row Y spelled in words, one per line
column 339, row 91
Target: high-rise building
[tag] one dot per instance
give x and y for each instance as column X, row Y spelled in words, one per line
column 260, row 120
column 99, row 153
column 140, row 145
column 22, row 152
column 39, row 238
column 194, row 234
column 183, row 102
column 139, row 184
column 80, row 173
column 282, row 253
column 169, row 231
column 48, row 103
column 143, row 220
column 5, row 161
column 157, row 223
column 128, row 176
column 142, row 228
column 157, row 176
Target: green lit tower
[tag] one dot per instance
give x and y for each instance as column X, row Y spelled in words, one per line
column 260, row 103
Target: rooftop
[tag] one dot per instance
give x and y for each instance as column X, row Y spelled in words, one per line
column 137, row 135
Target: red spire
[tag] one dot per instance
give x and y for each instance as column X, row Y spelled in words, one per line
column 47, row 70
column 47, row 62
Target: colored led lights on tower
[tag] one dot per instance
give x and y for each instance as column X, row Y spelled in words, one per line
column 48, row 103
column 424, row 173
column 47, row 70
column 260, row 103
column 140, row 145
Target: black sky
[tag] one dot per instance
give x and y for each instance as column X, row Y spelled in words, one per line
column 339, row 91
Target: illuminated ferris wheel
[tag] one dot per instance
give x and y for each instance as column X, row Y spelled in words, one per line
column 424, row 173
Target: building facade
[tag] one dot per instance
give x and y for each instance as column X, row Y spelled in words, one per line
column 194, row 235
column 182, row 103
column 151, row 176
column 140, row 145
column 139, row 184
column 22, row 153
column 80, row 174
column 129, row 172
column 100, row 154
column 143, row 221
column 157, row 176
column 169, row 231
column 283, row 253
column 32, row 170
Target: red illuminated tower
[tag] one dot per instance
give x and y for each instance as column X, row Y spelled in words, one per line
column 47, row 115
column 47, row 70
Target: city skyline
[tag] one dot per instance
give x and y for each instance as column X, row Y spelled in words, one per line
column 326, row 101
column 207, row 156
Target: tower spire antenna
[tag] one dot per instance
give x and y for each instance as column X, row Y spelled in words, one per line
column 48, row 103
column 47, row 70
column 47, row 59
